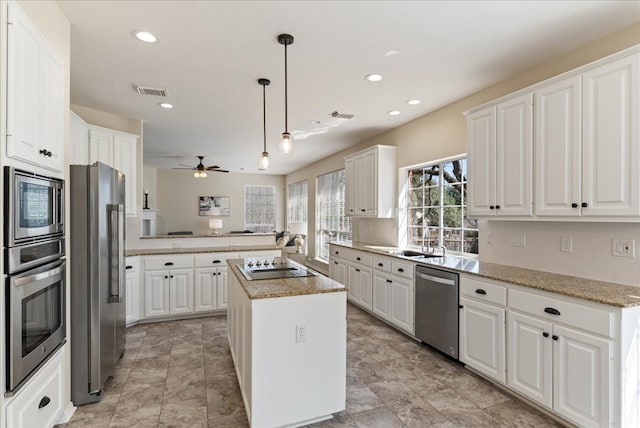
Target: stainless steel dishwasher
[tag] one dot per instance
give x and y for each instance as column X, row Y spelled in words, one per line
column 436, row 309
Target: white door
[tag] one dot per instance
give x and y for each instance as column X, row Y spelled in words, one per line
column 481, row 162
column 51, row 106
column 22, row 87
column 370, row 183
column 529, row 369
column 381, row 297
column 482, row 334
column 365, row 287
column 156, row 293
column 402, row 304
column 581, row 382
column 558, row 147
column 100, row 146
column 124, row 160
column 223, row 277
column 181, row 291
column 611, row 139
column 205, row 290
column 514, row 156
column 350, row 176
column 132, row 296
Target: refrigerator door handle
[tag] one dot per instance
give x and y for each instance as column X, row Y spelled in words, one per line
column 116, row 262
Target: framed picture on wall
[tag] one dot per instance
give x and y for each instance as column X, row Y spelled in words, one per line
column 214, row 205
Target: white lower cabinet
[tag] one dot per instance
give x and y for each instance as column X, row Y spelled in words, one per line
column 393, row 300
column 168, row 292
column 132, row 289
column 338, row 270
column 360, row 283
column 210, row 289
column 181, row 291
column 40, row 401
column 156, row 294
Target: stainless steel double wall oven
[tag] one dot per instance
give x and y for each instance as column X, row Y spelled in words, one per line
column 35, row 266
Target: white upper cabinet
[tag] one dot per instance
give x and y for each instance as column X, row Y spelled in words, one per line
column 35, row 95
column 79, row 153
column 558, row 148
column 371, row 182
column 500, row 159
column 101, row 146
column 611, row 141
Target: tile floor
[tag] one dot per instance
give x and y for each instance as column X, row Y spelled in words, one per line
column 180, row 374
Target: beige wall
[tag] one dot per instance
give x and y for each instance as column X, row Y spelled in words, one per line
column 442, row 133
column 178, row 192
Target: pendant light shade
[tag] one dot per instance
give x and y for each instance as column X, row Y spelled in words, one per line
column 286, row 143
column 264, row 156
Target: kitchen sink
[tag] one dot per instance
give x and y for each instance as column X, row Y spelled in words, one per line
column 415, row 254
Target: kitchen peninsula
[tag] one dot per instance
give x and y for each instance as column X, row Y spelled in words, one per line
column 288, row 343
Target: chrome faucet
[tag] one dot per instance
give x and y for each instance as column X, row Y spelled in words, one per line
column 444, row 250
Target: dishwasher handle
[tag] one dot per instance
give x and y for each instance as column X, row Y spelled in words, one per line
column 437, row 279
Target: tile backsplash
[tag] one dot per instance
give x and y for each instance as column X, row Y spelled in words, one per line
column 591, row 253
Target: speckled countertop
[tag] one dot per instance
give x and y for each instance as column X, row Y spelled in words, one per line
column 152, row 251
column 210, row 235
column 286, row 287
column 608, row 293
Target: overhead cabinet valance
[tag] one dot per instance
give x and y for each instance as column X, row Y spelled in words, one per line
column 564, row 149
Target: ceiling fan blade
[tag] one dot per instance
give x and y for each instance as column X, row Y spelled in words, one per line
column 219, row 170
column 181, row 164
column 212, row 167
column 184, row 168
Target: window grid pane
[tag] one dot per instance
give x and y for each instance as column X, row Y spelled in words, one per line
column 331, row 221
column 260, row 208
column 437, row 207
column 297, row 203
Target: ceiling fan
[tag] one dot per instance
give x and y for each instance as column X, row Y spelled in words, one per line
column 201, row 169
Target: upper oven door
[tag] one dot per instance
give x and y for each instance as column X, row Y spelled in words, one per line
column 36, row 207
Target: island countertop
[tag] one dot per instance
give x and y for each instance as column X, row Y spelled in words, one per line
column 284, row 287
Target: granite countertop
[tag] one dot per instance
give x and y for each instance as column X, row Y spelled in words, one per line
column 153, row 251
column 285, row 287
column 608, row 293
column 210, row 235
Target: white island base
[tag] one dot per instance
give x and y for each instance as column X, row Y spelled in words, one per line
column 289, row 354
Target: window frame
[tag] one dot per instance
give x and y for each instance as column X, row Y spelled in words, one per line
column 343, row 218
column 263, row 226
column 304, row 206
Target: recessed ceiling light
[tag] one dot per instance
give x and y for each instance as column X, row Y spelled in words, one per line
column 374, row 77
column 393, row 113
column 413, row 102
column 166, row 105
column 145, row 36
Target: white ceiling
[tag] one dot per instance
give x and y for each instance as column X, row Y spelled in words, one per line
column 210, row 54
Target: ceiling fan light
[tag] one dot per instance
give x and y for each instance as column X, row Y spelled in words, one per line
column 286, row 143
column 264, row 161
column 200, row 173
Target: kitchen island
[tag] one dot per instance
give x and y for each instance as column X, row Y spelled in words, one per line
column 288, row 342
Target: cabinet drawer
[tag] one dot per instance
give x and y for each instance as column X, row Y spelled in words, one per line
column 599, row 321
column 484, row 291
column 213, row 259
column 39, row 403
column 168, row 262
column 400, row 268
column 359, row 257
column 132, row 264
column 338, row 251
column 382, row 263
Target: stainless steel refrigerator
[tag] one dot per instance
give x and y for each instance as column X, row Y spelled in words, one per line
column 98, row 314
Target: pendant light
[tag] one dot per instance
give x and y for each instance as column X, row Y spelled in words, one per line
column 264, row 156
column 286, row 143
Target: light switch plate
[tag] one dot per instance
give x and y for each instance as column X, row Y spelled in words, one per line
column 623, row 248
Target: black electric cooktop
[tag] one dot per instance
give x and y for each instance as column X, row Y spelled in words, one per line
column 257, row 269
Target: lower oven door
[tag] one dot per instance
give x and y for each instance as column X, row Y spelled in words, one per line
column 36, row 320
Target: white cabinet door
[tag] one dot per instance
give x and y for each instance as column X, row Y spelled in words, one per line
column 611, row 139
column 481, row 162
column 223, row 278
column 581, row 381
column 369, row 182
column 124, row 160
column 514, row 156
column 381, row 295
column 353, row 280
column 181, row 292
column 22, row 87
column 100, row 146
column 482, row 338
column 402, row 303
column 338, row 271
column 558, row 148
column 365, row 287
column 132, row 296
column 206, row 294
column 350, row 193
column 529, row 369
column 79, row 153
column 156, row 293
column 51, row 114
column 360, row 170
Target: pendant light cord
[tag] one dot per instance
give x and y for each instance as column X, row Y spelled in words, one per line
column 264, row 117
column 286, row 96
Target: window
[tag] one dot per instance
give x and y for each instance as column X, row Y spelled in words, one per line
column 437, row 207
column 331, row 222
column 259, row 208
column 297, row 203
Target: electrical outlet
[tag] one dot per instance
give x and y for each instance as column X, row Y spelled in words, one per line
column 566, row 244
column 301, row 333
column 623, row 248
column 489, row 238
column 518, row 239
